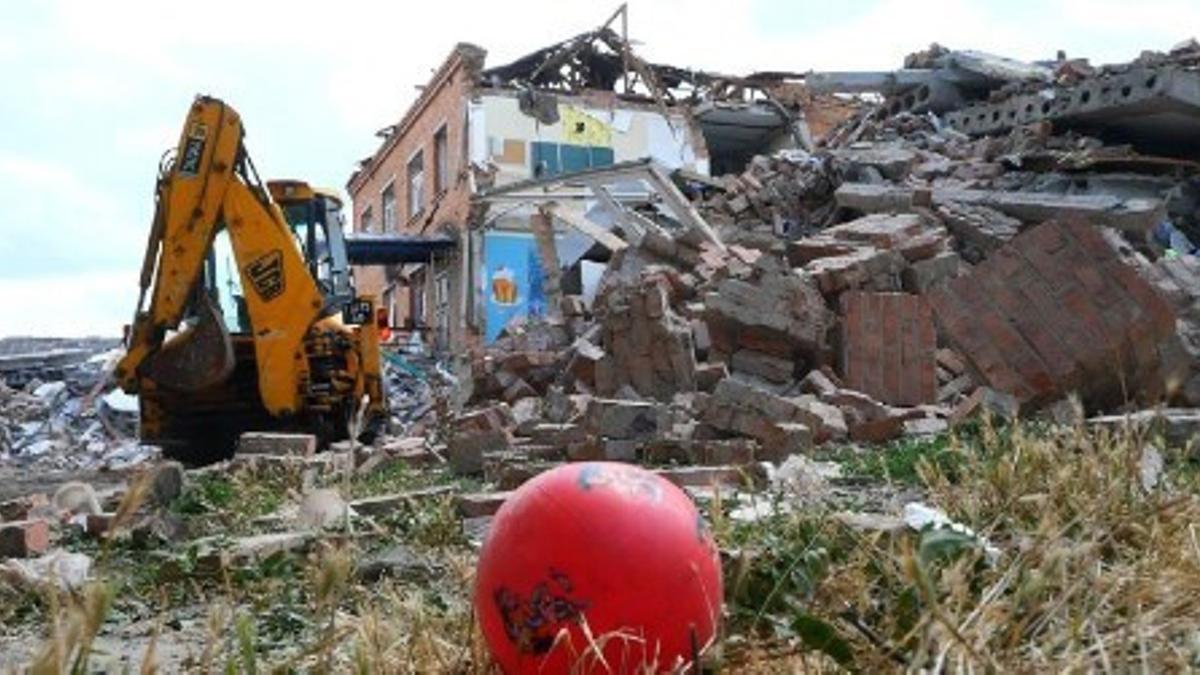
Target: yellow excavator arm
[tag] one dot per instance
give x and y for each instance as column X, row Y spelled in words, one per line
column 212, row 185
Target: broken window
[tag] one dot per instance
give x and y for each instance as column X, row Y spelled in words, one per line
column 366, row 220
column 389, row 208
column 551, row 159
column 441, row 162
column 416, row 180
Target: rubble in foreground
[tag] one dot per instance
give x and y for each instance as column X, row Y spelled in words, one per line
column 827, row 378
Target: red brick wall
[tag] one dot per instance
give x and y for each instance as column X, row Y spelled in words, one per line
column 1057, row 311
column 442, row 104
column 888, row 347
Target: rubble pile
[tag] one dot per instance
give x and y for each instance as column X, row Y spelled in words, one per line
column 896, row 277
column 74, row 421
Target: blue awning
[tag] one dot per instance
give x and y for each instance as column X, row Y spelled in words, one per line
column 394, row 249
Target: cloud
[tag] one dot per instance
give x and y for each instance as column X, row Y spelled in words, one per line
column 96, row 91
column 54, row 220
column 69, row 304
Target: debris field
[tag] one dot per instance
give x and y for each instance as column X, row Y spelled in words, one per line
column 969, row 244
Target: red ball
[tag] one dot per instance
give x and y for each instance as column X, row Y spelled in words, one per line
column 602, row 549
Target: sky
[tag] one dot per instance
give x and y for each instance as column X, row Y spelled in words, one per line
column 93, row 94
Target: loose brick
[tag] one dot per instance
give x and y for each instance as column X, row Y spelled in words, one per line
column 270, row 443
column 465, row 450
column 708, row 476
column 24, row 538
column 479, row 504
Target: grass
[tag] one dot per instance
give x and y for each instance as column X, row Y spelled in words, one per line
column 899, row 461
column 1094, row 573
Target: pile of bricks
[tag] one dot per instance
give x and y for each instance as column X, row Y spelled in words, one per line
column 785, row 195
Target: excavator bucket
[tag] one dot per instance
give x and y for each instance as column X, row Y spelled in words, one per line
column 197, row 358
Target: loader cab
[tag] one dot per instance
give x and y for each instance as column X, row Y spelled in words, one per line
column 315, row 217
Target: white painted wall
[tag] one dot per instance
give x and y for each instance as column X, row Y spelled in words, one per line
column 633, row 134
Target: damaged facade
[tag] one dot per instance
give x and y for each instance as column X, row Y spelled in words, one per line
column 585, row 103
column 894, row 275
column 845, row 245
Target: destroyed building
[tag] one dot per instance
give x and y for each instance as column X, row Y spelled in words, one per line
column 584, row 103
column 860, row 253
column 890, row 275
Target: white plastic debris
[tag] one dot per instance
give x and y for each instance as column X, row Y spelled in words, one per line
column 919, row 517
column 119, row 401
column 50, row 391
column 109, row 357
column 67, row 571
column 129, row 454
column 801, row 475
column 1150, row 467
column 42, row 447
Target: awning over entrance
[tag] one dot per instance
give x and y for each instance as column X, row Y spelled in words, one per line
column 394, row 249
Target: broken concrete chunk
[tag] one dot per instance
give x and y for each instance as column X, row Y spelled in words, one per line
column 168, row 482
column 323, row 508
column 496, row 417
column 762, row 365
column 1138, row 216
column 923, row 275
column 557, row 435
column 892, row 161
column 465, row 450
column 274, row 443
column 216, row 554
column 621, row 419
column 791, row 438
column 818, row 384
column 398, row 562
column 58, row 569
column 479, row 504
column 881, row 230
column 997, row 403
column 925, row 426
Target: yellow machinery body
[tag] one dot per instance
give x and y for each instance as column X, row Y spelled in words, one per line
column 251, row 322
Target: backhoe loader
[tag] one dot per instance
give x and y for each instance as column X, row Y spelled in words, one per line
column 252, row 322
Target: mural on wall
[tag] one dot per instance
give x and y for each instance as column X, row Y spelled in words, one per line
column 512, row 277
column 580, row 128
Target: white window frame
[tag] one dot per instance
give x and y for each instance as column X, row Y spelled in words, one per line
column 388, row 189
column 415, row 183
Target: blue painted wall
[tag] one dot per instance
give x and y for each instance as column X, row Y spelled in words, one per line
column 512, row 280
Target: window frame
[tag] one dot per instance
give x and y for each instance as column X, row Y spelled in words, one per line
column 388, row 191
column 366, row 219
column 441, row 160
column 415, row 206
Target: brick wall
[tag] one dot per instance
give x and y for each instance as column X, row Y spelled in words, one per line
column 442, row 105
column 888, row 346
column 1057, row 311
